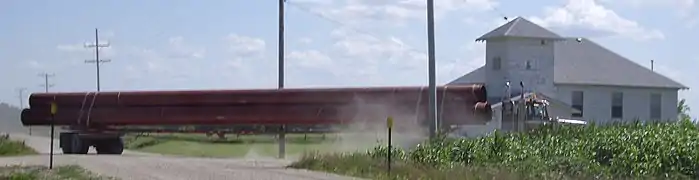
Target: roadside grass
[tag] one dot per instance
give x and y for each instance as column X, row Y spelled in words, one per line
column 361, row 165
column 14, row 148
column 198, row 145
column 44, row 173
column 18, row 148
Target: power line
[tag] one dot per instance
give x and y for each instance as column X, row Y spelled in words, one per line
column 97, row 59
column 46, row 77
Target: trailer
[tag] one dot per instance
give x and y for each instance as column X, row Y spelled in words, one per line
column 94, row 118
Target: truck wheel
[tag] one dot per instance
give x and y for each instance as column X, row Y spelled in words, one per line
column 110, row 146
column 118, row 146
column 66, row 141
column 80, row 145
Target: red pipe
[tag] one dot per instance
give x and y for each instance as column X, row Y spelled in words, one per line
column 257, row 114
column 461, row 105
column 470, row 94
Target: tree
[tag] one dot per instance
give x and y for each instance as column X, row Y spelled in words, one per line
column 683, row 110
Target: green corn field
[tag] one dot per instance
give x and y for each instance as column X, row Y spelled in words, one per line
column 619, row 151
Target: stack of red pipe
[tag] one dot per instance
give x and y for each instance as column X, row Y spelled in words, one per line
column 267, row 106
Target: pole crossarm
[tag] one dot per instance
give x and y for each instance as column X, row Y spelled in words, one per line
column 97, row 61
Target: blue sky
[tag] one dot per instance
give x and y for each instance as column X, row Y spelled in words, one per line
column 178, row 44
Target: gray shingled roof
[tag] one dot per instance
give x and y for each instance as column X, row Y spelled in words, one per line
column 520, row 27
column 588, row 63
column 476, row 76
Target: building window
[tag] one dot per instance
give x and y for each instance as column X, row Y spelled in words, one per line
column 577, row 103
column 655, row 108
column 617, row 105
column 497, row 63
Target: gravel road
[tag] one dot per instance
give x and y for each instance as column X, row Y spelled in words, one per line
column 145, row 166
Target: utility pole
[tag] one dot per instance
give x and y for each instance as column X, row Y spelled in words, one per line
column 280, row 73
column 46, row 84
column 652, row 64
column 21, row 96
column 21, row 103
column 432, row 90
column 97, row 59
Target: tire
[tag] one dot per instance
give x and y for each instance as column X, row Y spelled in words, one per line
column 71, row 143
column 80, row 146
column 110, row 146
column 66, row 142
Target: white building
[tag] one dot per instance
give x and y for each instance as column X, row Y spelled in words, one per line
column 572, row 72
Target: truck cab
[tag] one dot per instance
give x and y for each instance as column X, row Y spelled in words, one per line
column 536, row 113
column 529, row 113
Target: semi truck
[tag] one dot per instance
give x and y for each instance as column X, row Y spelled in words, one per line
column 521, row 112
column 96, row 119
column 529, row 111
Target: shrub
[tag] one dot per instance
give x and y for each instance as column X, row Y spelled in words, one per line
column 13, row 148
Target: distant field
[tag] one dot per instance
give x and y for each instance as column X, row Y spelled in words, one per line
column 44, row 131
column 233, row 146
column 199, row 145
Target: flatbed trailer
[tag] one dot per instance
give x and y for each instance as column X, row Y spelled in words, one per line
column 90, row 115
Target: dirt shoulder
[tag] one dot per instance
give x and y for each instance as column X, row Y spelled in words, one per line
column 144, row 166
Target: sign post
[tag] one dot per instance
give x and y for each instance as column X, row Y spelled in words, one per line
column 53, row 112
column 389, row 125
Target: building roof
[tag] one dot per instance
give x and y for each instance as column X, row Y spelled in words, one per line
column 589, row 63
column 586, row 63
column 519, row 27
column 476, row 76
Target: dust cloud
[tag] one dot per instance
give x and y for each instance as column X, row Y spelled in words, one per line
column 368, row 127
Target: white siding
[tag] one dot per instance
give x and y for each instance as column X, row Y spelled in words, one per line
column 514, row 54
column 560, row 110
column 597, row 102
column 495, row 79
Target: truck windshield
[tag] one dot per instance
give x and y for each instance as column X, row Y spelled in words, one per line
column 537, row 111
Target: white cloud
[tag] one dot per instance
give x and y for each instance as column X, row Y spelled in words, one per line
column 310, row 59
column 179, row 49
column 70, row 47
column 35, row 64
column 589, row 14
column 356, row 58
column 245, row 46
column 391, row 11
column 673, row 4
column 684, row 9
column 305, row 40
column 244, row 50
